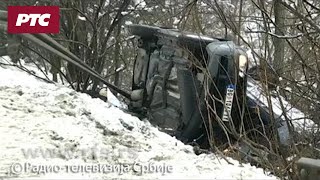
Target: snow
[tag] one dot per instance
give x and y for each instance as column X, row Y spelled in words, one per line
column 112, row 99
column 175, row 21
column 128, row 22
column 106, row 3
column 149, row 9
column 298, row 118
column 124, row 13
column 201, row 37
column 80, row 131
column 81, row 18
column 140, row 3
column 120, row 68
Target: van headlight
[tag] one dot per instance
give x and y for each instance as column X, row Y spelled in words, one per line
column 242, row 65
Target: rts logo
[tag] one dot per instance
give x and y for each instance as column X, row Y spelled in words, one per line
column 33, row 19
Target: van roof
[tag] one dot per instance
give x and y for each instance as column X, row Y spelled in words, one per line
column 153, row 32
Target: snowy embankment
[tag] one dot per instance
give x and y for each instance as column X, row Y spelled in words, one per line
column 63, row 128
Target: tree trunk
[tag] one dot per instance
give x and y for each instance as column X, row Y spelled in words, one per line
column 279, row 44
column 117, row 57
column 239, row 23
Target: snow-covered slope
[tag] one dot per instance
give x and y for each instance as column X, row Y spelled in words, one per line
column 48, row 124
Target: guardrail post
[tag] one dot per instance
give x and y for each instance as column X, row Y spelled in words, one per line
column 3, row 15
column 3, row 51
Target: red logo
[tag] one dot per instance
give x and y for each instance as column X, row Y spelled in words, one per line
column 33, row 19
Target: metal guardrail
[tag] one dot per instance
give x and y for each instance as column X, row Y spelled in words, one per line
column 3, row 15
column 53, row 46
column 3, row 20
column 309, row 169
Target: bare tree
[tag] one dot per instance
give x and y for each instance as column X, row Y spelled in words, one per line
column 279, row 44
